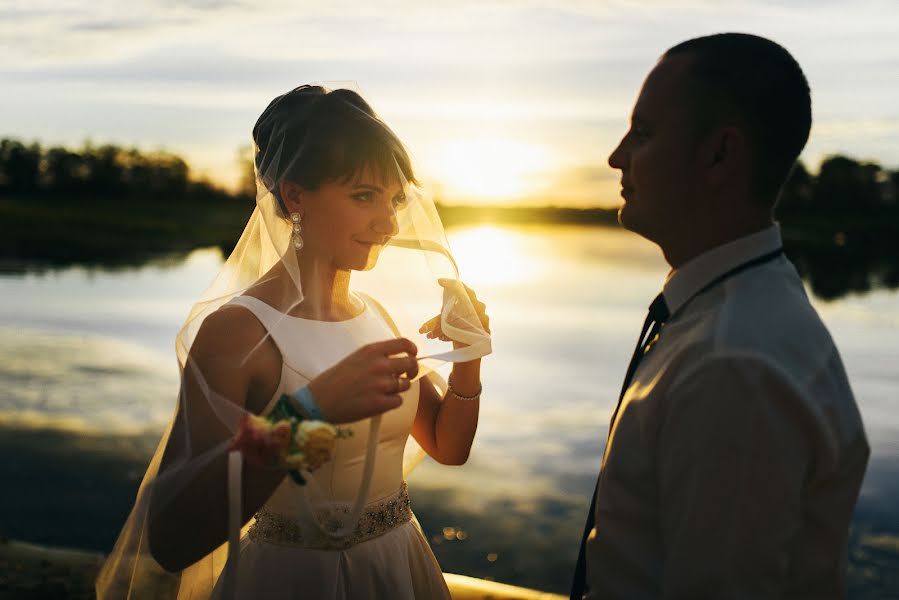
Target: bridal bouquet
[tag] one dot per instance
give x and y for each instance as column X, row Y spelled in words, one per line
column 284, row 439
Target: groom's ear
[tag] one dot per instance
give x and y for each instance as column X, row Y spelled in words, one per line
column 725, row 154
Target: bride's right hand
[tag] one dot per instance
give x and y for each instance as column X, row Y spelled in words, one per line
column 368, row 382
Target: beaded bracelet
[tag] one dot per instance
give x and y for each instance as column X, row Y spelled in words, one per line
column 477, row 395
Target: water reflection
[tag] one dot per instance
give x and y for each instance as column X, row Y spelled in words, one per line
column 846, row 262
column 834, row 261
column 83, row 383
column 493, row 256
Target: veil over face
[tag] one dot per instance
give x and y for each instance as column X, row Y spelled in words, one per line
column 326, row 155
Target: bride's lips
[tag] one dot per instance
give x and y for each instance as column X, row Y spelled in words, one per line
column 626, row 192
column 370, row 244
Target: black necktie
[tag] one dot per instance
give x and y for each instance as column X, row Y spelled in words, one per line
column 652, row 326
column 658, row 314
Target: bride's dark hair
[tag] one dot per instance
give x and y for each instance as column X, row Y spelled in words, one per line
column 311, row 135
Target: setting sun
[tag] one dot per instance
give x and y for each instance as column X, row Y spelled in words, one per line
column 489, row 168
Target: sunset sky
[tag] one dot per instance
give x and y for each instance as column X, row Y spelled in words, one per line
column 499, row 101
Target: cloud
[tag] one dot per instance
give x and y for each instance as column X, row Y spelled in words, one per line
column 108, row 25
column 858, row 128
column 207, row 5
column 587, row 184
column 589, row 175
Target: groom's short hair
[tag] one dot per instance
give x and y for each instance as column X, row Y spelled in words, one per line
column 759, row 85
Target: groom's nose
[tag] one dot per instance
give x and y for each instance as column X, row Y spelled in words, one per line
column 617, row 159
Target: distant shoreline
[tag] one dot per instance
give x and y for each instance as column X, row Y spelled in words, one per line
column 452, row 214
column 836, row 250
column 49, row 231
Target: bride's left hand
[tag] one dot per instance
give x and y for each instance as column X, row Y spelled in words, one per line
column 432, row 326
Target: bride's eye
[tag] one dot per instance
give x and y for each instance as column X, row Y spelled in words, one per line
column 400, row 201
column 363, row 196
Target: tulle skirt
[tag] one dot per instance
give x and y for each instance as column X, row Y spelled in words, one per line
column 397, row 565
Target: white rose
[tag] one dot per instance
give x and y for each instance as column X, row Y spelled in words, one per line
column 315, row 439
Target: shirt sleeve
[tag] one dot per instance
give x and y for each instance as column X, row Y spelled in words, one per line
column 734, row 453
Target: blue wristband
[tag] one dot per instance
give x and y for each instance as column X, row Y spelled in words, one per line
column 307, row 401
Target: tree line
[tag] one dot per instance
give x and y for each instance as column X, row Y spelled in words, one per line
column 107, row 206
column 843, row 186
column 96, row 171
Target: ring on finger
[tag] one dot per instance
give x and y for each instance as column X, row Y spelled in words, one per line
column 399, row 384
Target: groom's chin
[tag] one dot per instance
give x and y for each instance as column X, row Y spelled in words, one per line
column 626, row 218
column 633, row 221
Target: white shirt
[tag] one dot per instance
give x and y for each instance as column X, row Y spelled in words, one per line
column 738, row 451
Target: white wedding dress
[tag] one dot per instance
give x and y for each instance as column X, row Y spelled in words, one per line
column 387, row 556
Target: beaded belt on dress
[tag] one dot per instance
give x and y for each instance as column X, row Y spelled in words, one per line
column 377, row 519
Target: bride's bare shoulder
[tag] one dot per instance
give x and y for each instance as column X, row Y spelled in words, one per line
column 232, row 329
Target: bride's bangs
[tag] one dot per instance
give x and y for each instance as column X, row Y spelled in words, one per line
column 370, row 149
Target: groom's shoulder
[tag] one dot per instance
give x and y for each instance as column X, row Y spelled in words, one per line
column 764, row 326
column 767, row 313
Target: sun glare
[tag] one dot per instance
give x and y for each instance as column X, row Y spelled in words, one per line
column 489, row 256
column 489, row 169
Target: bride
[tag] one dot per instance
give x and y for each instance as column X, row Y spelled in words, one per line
column 283, row 322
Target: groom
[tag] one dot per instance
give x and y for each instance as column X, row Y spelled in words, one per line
column 736, row 452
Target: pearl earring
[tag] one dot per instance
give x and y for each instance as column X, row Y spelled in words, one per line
column 297, row 228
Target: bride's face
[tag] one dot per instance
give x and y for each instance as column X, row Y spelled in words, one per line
column 348, row 223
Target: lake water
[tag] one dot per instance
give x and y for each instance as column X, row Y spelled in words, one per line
column 90, row 350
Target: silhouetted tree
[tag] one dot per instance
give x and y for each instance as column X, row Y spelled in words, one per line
column 797, row 196
column 247, row 184
column 845, row 186
column 19, row 166
column 63, row 171
column 96, row 172
column 106, row 172
column 891, row 194
column 159, row 174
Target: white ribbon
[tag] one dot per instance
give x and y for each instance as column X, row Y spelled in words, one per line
column 477, row 346
column 235, row 472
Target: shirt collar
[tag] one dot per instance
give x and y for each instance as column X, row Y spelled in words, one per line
column 681, row 284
